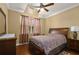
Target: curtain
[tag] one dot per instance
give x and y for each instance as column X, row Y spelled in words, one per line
column 37, row 26
column 24, row 30
column 29, row 25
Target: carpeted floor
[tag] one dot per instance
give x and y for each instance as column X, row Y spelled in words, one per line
column 69, row 52
column 64, row 53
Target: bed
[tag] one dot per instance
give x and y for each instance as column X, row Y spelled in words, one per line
column 50, row 44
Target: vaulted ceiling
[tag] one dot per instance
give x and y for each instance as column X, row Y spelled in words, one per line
column 54, row 9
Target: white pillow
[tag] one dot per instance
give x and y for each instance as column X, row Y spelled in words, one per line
column 54, row 32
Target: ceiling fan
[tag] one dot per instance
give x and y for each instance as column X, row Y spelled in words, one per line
column 44, row 6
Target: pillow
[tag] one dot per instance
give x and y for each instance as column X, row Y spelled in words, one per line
column 54, row 32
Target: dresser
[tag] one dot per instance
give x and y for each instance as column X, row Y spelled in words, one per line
column 8, row 44
column 73, row 44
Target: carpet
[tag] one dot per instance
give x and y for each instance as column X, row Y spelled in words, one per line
column 64, row 53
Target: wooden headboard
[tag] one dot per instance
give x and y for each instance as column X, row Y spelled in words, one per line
column 61, row 30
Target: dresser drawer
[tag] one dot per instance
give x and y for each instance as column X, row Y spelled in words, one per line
column 8, row 47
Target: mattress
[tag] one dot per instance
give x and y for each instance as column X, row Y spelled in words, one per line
column 49, row 42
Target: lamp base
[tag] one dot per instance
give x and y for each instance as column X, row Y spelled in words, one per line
column 75, row 35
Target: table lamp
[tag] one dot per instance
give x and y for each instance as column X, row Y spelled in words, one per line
column 75, row 29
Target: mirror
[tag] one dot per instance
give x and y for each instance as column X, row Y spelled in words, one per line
column 2, row 22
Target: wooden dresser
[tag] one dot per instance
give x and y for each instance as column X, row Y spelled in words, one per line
column 8, row 44
column 73, row 44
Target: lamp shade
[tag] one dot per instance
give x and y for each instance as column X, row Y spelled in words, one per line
column 74, row 28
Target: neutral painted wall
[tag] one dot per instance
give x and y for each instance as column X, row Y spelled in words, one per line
column 42, row 20
column 2, row 21
column 5, row 10
column 14, row 23
column 66, row 19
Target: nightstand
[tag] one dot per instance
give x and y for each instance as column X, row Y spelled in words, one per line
column 73, row 44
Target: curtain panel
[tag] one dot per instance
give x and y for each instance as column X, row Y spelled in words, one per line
column 28, row 26
column 37, row 26
column 24, row 29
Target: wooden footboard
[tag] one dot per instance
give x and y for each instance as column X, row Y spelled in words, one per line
column 35, row 50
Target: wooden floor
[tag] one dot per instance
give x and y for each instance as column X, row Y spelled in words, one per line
column 24, row 50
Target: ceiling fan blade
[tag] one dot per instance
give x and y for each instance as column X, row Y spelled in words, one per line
column 46, row 9
column 49, row 4
column 42, row 6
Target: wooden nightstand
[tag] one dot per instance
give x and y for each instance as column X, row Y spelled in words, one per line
column 73, row 44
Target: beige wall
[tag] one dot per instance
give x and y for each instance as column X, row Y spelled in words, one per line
column 42, row 20
column 5, row 10
column 66, row 19
column 2, row 21
column 14, row 23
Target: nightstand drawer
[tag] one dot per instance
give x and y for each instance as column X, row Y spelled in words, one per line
column 73, row 44
column 8, row 47
column 78, row 45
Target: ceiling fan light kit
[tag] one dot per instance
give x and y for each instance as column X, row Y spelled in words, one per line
column 44, row 6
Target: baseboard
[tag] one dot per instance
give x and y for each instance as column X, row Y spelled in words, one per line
column 20, row 44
